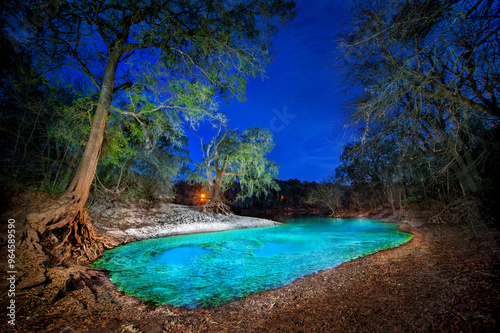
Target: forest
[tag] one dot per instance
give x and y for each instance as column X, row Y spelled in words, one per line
column 97, row 100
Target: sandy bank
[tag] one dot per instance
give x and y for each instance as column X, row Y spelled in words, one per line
column 130, row 222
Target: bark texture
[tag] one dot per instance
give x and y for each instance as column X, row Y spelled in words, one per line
column 61, row 227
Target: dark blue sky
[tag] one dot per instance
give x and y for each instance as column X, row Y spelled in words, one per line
column 301, row 99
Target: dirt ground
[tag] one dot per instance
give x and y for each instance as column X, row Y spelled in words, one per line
column 443, row 280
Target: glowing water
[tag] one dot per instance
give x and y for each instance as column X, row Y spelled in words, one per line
column 215, row 268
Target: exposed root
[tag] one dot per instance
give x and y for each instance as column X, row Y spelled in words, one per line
column 335, row 213
column 78, row 241
column 217, row 207
column 30, row 240
column 62, row 230
column 462, row 212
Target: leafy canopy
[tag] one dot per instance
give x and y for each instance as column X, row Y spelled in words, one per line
column 217, row 43
column 241, row 156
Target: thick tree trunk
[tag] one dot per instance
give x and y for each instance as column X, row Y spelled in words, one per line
column 216, row 195
column 66, row 215
column 391, row 199
column 216, row 203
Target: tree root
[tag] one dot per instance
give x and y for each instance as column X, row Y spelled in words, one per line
column 74, row 241
column 217, row 207
column 30, row 240
column 78, row 241
column 61, row 229
column 462, row 212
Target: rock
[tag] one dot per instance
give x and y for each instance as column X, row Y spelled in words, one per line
column 114, row 236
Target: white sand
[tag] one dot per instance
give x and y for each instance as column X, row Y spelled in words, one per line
column 130, row 223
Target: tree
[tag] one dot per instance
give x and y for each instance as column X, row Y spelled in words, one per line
column 43, row 125
column 214, row 45
column 233, row 156
column 442, row 51
column 327, row 194
column 142, row 152
column 371, row 167
column 430, row 75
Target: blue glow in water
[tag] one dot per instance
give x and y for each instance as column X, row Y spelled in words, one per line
column 273, row 249
column 183, row 255
column 215, row 268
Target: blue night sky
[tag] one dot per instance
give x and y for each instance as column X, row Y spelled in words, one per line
column 301, row 99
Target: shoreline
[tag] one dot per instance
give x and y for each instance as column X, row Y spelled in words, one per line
column 234, row 218
column 436, row 281
column 123, row 224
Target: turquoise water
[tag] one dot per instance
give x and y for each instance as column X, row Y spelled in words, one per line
column 212, row 269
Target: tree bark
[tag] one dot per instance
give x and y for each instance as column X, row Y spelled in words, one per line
column 66, row 213
column 216, row 203
column 391, row 198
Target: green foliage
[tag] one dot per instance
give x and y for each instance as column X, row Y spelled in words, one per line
column 414, row 199
column 43, row 125
column 143, row 149
column 197, row 50
column 170, row 61
column 255, row 173
column 240, row 157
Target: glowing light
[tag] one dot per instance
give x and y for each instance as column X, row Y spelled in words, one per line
column 203, row 270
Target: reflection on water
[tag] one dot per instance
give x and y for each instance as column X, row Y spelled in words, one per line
column 215, row 268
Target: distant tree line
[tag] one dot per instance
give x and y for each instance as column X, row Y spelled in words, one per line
column 285, row 195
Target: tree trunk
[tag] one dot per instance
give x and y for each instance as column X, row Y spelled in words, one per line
column 390, row 196
column 66, row 214
column 216, row 203
column 216, row 195
column 466, row 177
